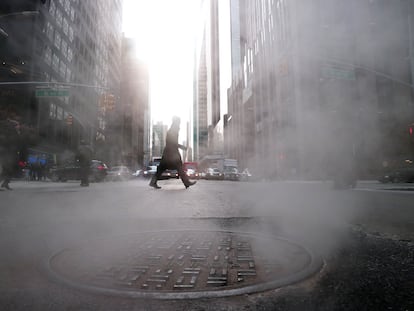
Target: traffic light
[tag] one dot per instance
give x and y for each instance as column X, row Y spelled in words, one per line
column 69, row 119
column 411, row 130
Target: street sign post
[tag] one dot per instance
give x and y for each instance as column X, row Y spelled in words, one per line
column 51, row 93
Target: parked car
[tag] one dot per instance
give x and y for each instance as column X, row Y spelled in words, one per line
column 245, row 175
column 192, row 173
column 150, row 171
column 213, row 173
column 72, row 171
column 191, row 169
column 119, row 173
column 138, row 173
column 399, row 175
column 231, row 173
column 167, row 174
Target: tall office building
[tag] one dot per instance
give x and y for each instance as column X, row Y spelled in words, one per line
column 57, row 64
column 159, row 133
column 319, row 83
column 131, row 135
column 206, row 110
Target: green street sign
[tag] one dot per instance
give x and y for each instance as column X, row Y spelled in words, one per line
column 51, row 93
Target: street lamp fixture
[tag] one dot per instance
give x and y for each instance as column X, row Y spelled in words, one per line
column 23, row 13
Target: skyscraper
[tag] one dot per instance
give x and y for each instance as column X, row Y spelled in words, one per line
column 319, row 82
column 58, row 63
column 133, row 137
column 206, row 110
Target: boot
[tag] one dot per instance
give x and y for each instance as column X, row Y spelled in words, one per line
column 189, row 184
column 153, row 183
column 6, row 185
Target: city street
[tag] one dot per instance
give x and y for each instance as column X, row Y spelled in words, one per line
column 39, row 219
column 297, row 117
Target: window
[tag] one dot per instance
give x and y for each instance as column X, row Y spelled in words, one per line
column 52, row 8
column 70, row 34
column 62, row 69
column 49, row 31
column 55, row 62
column 52, row 111
column 67, row 7
column 72, row 14
column 68, row 74
column 58, row 39
column 59, row 113
column 65, row 26
column 59, row 17
column 70, row 54
column 48, row 55
column 64, row 48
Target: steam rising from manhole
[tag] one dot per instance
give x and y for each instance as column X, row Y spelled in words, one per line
column 183, row 264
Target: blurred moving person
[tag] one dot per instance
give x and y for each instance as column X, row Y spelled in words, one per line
column 171, row 158
column 9, row 143
column 84, row 157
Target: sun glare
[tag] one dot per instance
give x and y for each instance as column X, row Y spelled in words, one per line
column 164, row 33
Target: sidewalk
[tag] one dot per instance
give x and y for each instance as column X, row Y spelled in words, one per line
column 370, row 185
column 374, row 185
column 19, row 184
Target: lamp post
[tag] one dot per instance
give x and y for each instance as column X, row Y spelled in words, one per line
column 3, row 33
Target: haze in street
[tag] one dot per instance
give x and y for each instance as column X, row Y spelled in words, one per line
column 165, row 39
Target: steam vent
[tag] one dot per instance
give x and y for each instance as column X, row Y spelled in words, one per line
column 183, row 264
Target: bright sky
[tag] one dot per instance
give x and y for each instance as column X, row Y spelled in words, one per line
column 164, row 31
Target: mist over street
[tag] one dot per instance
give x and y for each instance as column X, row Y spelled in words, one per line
column 40, row 219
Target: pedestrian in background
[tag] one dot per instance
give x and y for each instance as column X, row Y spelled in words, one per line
column 171, row 158
column 84, row 157
column 9, row 144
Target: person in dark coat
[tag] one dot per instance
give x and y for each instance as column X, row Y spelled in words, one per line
column 171, row 158
column 84, row 157
column 9, row 142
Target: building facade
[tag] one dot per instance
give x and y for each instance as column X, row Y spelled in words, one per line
column 159, row 134
column 318, row 86
column 130, row 137
column 57, row 66
column 206, row 108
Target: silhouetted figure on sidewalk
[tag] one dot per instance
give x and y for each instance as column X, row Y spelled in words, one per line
column 9, row 144
column 171, row 158
column 84, row 157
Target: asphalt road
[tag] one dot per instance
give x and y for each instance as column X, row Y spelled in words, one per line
column 37, row 219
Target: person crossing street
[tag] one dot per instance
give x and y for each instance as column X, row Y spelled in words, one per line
column 171, row 158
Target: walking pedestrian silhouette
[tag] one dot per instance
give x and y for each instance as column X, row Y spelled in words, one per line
column 171, row 158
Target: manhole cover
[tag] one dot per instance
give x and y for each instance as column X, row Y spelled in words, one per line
column 183, row 264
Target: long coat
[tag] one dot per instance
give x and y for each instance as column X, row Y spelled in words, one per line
column 9, row 146
column 171, row 156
